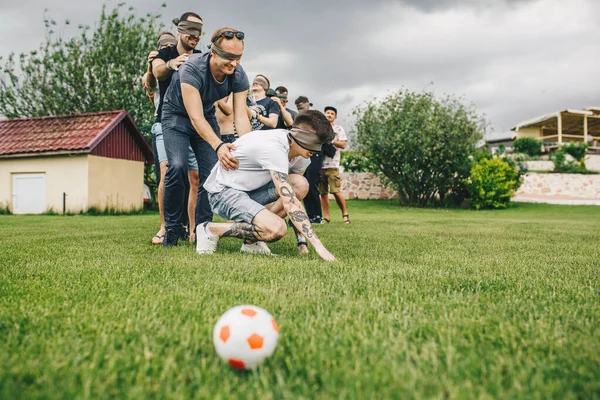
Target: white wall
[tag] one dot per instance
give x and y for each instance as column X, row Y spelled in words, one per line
column 68, row 174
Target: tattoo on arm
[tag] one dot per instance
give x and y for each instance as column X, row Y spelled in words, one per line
column 243, row 230
column 298, row 216
column 308, row 231
column 281, row 177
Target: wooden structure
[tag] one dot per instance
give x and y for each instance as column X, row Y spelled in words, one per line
column 565, row 126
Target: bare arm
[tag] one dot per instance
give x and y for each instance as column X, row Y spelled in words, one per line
column 226, row 105
column 161, row 69
column 242, row 123
column 295, row 211
column 340, row 143
column 193, row 106
column 270, row 121
column 287, row 116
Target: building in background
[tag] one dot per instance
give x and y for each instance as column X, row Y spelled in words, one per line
column 72, row 163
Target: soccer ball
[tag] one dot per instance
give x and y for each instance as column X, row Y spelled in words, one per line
column 245, row 335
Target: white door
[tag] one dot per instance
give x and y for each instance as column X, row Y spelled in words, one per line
column 29, row 193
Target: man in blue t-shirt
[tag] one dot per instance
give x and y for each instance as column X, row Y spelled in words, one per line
column 188, row 117
column 262, row 111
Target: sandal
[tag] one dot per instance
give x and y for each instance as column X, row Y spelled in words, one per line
column 346, row 219
column 158, row 239
column 327, row 220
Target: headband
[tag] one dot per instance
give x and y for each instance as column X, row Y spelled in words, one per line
column 223, row 54
column 306, row 139
column 262, row 82
column 166, row 40
column 188, row 27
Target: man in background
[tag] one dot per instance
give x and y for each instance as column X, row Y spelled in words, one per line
column 312, row 201
column 331, row 181
column 286, row 116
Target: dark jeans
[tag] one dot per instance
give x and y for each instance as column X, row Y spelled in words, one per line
column 178, row 133
column 312, row 201
column 184, row 216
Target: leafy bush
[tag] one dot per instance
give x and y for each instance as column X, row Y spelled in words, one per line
column 530, row 146
column 492, row 183
column 353, row 161
column 423, row 146
column 576, row 150
column 576, row 166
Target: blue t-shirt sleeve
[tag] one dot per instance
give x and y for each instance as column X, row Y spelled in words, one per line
column 189, row 73
column 273, row 108
column 241, row 83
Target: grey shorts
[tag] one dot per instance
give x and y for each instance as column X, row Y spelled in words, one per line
column 239, row 206
column 162, row 153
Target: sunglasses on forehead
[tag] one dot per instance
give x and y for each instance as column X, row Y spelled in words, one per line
column 230, row 34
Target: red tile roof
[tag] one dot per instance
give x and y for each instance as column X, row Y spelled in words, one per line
column 78, row 133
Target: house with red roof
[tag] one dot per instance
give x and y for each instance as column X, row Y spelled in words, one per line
column 71, row 163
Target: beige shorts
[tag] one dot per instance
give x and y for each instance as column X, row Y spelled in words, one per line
column 331, row 181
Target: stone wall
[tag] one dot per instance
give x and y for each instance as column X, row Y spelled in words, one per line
column 364, row 186
column 560, row 189
column 536, row 187
column 592, row 162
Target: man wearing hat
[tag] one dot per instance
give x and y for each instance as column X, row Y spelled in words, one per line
column 262, row 111
column 267, row 187
column 331, row 181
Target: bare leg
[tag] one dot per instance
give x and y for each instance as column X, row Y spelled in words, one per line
column 325, row 207
column 341, row 202
column 265, row 227
column 194, row 179
column 161, row 197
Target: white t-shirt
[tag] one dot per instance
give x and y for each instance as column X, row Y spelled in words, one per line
column 334, row 162
column 258, row 153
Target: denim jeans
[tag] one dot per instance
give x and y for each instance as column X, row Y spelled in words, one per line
column 179, row 133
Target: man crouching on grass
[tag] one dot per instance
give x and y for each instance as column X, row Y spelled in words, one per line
column 267, row 186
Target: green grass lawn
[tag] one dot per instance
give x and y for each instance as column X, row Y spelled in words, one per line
column 422, row 304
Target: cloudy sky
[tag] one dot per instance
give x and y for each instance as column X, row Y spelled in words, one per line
column 514, row 59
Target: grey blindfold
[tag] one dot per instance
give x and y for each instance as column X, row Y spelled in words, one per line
column 223, row 54
column 306, row 139
column 189, row 27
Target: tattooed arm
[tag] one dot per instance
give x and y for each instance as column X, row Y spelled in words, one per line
column 295, row 211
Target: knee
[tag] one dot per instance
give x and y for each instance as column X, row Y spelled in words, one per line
column 300, row 185
column 276, row 231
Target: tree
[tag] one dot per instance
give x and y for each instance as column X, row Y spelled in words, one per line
column 89, row 72
column 423, row 146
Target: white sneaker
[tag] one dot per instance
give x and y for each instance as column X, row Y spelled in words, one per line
column 205, row 243
column 255, row 248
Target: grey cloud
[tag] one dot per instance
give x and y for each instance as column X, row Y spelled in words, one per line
column 345, row 53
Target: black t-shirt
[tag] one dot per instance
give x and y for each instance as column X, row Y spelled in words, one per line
column 265, row 107
column 281, row 124
column 166, row 54
column 196, row 72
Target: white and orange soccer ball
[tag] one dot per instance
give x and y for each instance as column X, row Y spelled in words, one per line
column 245, row 336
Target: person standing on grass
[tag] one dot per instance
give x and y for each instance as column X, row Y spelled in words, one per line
column 169, row 48
column 189, row 119
column 331, row 181
column 267, row 186
column 312, row 202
